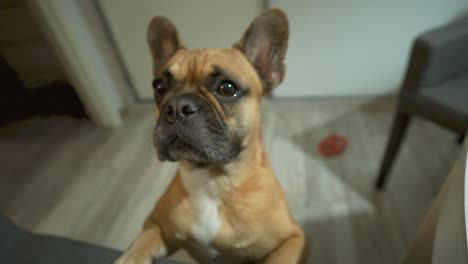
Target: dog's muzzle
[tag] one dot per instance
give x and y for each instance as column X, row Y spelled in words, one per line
column 190, row 129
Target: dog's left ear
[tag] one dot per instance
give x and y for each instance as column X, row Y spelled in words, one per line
column 264, row 44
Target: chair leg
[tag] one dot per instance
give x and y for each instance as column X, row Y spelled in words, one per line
column 400, row 125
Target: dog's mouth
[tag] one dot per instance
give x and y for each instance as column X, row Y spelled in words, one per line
column 176, row 137
column 195, row 146
column 169, row 147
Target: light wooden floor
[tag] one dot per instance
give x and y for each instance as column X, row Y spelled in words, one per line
column 66, row 177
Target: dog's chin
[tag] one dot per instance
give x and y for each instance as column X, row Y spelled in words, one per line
column 177, row 149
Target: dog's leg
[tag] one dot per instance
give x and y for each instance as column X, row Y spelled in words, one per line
column 148, row 243
column 290, row 251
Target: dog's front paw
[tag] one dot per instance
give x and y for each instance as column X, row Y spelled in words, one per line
column 130, row 258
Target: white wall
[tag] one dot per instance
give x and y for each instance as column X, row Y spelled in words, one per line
column 201, row 24
column 358, row 47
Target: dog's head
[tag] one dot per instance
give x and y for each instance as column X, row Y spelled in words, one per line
column 208, row 99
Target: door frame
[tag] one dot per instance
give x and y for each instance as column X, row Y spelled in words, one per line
column 67, row 29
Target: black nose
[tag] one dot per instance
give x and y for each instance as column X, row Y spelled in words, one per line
column 181, row 107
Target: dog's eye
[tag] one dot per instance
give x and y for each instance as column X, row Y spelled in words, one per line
column 228, row 89
column 159, row 87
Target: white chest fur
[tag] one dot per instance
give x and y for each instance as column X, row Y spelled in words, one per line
column 204, row 196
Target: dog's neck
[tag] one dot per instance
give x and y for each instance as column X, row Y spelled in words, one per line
column 219, row 179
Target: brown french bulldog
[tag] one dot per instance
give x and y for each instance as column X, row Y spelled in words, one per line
column 224, row 205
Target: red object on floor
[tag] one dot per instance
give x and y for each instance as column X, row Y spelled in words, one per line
column 332, row 145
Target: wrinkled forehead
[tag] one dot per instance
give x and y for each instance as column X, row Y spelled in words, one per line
column 194, row 66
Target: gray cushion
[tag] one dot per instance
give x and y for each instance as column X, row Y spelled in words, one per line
column 49, row 250
column 10, row 236
column 452, row 93
column 18, row 246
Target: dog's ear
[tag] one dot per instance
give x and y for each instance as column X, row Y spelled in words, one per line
column 264, row 44
column 163, row 41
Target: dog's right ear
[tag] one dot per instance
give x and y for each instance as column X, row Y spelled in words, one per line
column 163, row 41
